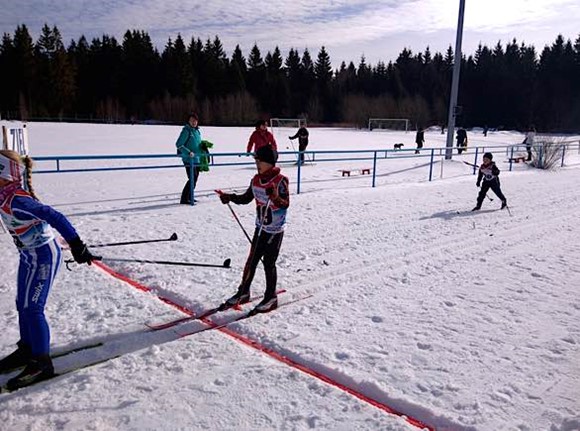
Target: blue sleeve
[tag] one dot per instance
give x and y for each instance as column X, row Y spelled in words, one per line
column 182, row 140
column 26, row 208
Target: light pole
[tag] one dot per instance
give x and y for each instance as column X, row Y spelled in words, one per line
column 453, row 108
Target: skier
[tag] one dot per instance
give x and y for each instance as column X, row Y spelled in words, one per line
column 270, row 189
column 189, row 148
column 28, row 220
column 489, row 172
column 302, row 135
column 419, row 139
column 261, row 137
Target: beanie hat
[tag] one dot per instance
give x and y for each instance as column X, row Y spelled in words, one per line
column 266, row 154
column 488, row 156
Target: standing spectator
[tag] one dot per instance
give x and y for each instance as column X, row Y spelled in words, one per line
column 461, row 138
column 302, row 135
column 269, row 188
column 189, row 148
column 485, row 130
column 31, row 223
column 489, row 173
column 261, row 137
column 419, row 139
column 530, row 140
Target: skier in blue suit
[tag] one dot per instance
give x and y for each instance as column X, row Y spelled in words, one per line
column 29, row 222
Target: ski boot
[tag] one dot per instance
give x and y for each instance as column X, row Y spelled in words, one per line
column 17, row 359
column 267, row 304
column 503, row 204
column 476, row 208
column 38, row 369
column 238, row 299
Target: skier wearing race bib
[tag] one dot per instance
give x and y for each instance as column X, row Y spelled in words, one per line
column 270, row 190
column 29, row 222
column 489, row 173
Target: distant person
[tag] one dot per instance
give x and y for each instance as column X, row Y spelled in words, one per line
column 269, row 188
column 189, row 148
column 461, row 138
column 419, row 139
column 529, row 141
column 302, row 135
column 442, row 129
column 485, row 130
column 261, row 137
column 489, row 173
column 31, row 223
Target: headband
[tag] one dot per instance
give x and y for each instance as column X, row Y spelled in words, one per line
column 9, row 169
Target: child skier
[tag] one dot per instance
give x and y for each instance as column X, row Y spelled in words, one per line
column 270, row 189
column 489, row 172
column 27, row 220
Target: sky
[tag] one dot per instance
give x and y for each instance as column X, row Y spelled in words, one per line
column 348, row 29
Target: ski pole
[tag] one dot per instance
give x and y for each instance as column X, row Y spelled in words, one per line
column 226, row 263
column 144, row 241
column 239, row 223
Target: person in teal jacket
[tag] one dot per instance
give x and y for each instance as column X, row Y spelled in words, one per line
column 189, row 148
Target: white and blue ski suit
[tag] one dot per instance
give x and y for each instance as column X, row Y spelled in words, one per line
column 29, row 222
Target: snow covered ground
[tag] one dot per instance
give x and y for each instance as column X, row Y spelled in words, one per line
column 464, row 321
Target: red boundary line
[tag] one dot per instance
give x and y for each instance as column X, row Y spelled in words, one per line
column 272, row 353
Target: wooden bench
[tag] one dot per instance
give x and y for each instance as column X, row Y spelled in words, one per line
column 363, row 171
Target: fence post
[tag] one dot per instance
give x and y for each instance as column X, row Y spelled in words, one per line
column 191, row 181
column 475, row 160
column 563, row 154
column 431, row 164
column 540, row 156
column 299, row 175
column 374, row 167
column 511, row 158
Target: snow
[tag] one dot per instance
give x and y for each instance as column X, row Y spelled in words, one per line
column 465, row 321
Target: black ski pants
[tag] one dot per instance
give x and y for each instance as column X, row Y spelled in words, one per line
column 302, row 147
column 267, row 248
column 485, row 186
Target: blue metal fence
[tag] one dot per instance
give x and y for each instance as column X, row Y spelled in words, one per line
column 286, row 157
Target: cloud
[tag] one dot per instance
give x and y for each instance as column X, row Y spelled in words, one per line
column 336, row 24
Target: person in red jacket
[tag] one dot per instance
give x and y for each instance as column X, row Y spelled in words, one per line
column 261, row 137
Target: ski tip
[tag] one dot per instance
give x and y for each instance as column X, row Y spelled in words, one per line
column 173, row 237
column 227, row 263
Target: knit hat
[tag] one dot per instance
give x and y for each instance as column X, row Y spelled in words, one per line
column 266, row 154
column 488, row 156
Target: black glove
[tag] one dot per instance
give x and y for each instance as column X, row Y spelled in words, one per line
column 225, row 198
column 272, row 193
column 80, row 251
column 478, row 184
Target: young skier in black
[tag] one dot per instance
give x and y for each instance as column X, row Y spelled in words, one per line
column 489, row 172
column 270, row 190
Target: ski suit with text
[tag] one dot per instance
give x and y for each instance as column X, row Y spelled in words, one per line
column 28, row 221
column 270, row 225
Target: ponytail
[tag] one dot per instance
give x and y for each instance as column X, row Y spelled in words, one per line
column 27, row 161
column 28, row 175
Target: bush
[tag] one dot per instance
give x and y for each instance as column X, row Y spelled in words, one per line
column 547, row 152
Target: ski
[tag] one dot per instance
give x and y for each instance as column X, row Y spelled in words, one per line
column 239, row 318
column 61, row 353
column 4, row 389
column 203, row 315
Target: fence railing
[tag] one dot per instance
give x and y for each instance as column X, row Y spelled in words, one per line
column 287, row 157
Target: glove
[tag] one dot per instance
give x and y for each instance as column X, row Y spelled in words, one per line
column 224, row 197
column 478, row 184
column 80, row 251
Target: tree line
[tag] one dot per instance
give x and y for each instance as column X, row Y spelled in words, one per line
column 507, row 86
